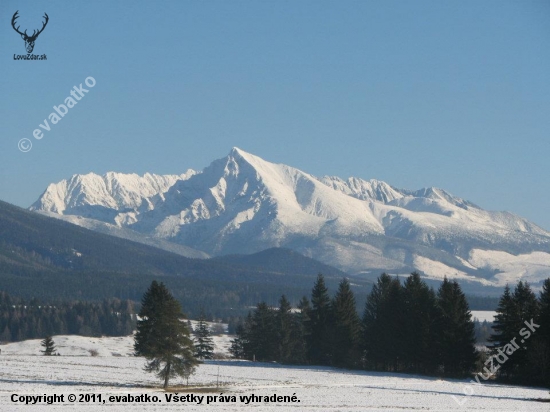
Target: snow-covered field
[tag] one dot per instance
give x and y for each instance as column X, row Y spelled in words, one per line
column 72, row 345
column 484, row 315
column 317, row 388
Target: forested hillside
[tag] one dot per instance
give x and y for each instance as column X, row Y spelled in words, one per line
column 42, row 257
column 32, row 319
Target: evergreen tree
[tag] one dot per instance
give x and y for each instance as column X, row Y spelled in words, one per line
column 49, row 346
column 290, row 334
column 527, row 305
column 240, row 343
column 503, row 325
column 383, row 325
column 455, row 328
column 303, row 326
column 285, row 331
column 161, row 337
column 420, row 333
column 262, row 336
column 513, row 311
column 527, row 310
column 347, row 326
column 540, row 358
column 321, row 337
column 204, row 347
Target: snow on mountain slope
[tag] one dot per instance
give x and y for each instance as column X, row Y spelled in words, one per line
column 530, row 267
column 363, row 189
column 97, row 196
column 244, row 204
column 128, row 234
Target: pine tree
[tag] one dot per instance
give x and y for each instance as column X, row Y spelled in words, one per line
column 527, row 305
column 455, row 328
column 161, row 337
column 513, row 311
column 347, row 326
column 383, row 325
column 527, row 310
column 262, row 336
column 49, row 346
column 540, row 360
column 240, row 343
column 503, row 325
column 420, row 334
column 290, row 334
column 320, row 339
column 285, row 332
column 303, row 320
column 204, row 347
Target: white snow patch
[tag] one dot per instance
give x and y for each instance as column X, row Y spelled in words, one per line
column 484, row 315
column 438, row 270
column 533, row 267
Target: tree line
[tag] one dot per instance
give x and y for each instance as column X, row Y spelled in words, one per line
column 521, row 341
column 21, row 319
column 405, row 327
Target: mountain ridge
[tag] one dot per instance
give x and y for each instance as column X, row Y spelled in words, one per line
column 282, row 260
column 242, row 204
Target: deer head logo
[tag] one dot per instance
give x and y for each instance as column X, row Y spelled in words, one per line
column 29, row 40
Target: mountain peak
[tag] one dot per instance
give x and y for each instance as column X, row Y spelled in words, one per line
column 236, row 151
column 242, row 203
column 251, row 159
column 437, row 194
column 240, row 153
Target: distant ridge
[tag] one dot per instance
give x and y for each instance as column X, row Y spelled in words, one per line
column 282, row 260
column 50, row 259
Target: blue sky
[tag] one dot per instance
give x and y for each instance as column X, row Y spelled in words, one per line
column 453, row 94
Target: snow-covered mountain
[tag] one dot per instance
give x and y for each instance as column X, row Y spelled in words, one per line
column 244, row 204
column 113, row 197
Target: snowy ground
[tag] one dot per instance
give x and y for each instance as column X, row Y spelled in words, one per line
column 72, row 345
column 484, row 315
column 24, row 374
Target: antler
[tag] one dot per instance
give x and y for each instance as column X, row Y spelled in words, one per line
column 35, row 35
column 15, row 16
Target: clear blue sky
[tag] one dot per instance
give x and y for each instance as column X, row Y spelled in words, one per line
column 453, row 94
